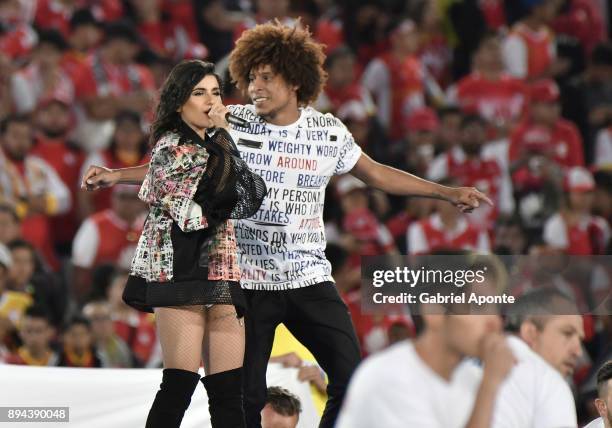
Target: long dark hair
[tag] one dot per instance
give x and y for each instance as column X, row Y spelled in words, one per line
column 175, row 91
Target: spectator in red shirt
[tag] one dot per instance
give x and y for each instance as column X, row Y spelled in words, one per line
column 109, row 236
column 488, row 90
column 78, row 349
column 421, row 129
column 434, row 50
column 342, row 86
column 329, row 28
column 411, row 211
column 111, row 82
column 529, row 50
column 360, row 222
column 574, row 229
column 447, row 229
column 494, row 14
column 128, row 148
column 31, row 185
column 56, row 14
column 86, row 33
column 44, row 77
column 54, row 120
column 36, row 333
column 17, row 37
column 470, row 167
column 582, row 21
column 543, row 137
column 169, row 28
column 397, row 79
column 541, row 148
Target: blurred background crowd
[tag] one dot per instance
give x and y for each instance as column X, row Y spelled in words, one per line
column 513, row 97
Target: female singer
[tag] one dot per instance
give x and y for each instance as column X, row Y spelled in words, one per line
column 185, row 268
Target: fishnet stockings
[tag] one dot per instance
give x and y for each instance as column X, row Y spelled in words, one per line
column 191, row 334
column 223, row 342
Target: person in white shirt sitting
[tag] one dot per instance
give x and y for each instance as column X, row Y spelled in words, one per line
column 547, row 347
column 604, row 397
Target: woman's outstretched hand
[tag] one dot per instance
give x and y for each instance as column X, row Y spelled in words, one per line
column 99, row 177
column 467, row 198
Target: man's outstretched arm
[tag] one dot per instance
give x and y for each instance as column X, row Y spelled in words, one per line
column 397, row 182
column 98, row 177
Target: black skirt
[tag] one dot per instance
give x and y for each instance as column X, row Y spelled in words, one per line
column 145, row 296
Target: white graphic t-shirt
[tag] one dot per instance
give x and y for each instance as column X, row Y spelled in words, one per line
column 283, row 245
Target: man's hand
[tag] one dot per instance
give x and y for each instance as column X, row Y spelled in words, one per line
column 467, row 198
column 497, row 357
column 99, row 177
column 314, row 376
column 290, row 359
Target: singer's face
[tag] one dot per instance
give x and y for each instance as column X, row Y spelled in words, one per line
column 203, row 95
column 274, row 99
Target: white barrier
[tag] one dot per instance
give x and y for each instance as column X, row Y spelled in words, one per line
column 118, row 398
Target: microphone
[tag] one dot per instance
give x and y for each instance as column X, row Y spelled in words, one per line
column 235, row 120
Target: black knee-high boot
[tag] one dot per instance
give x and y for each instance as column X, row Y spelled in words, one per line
column 224, row 391
column 172, row 399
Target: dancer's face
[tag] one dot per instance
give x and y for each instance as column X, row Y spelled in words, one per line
column 275, row 99
column 203, row 95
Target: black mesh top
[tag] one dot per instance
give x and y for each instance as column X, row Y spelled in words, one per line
column 228, row 189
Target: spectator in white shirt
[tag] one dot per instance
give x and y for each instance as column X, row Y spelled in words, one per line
column 544, row 323
column 547, row 347
column 603, row 402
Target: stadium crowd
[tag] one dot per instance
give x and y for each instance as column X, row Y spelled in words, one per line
column 511, row 97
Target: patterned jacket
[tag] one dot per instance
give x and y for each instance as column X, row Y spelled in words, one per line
column 176, row 168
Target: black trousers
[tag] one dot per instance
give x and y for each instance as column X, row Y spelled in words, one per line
column 319, row 319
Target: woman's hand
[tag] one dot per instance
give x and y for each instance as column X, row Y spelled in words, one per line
column 217, row 115
column 98, row 177
column 467, row 198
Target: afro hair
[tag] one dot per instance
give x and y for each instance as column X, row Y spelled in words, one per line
column 290, row 51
